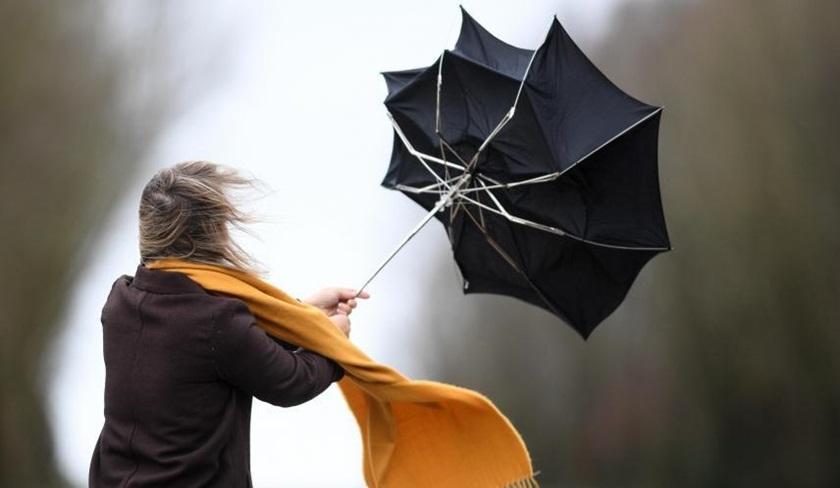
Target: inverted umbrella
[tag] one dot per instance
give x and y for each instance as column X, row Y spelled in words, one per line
column 543, row 172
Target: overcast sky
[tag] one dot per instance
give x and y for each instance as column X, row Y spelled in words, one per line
column 299, row 106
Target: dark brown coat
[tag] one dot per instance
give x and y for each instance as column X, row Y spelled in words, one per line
column 181, row 367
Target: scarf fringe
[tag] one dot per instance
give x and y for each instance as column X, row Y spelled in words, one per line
column 527, row 482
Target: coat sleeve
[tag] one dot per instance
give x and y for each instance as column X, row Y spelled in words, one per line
column 247, row 358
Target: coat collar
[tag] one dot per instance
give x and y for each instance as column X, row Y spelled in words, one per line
column 166, row 282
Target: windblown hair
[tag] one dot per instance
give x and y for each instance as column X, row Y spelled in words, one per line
column 187, row 212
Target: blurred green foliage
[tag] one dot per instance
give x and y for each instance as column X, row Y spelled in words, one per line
column 722, row 368
column 79, row 106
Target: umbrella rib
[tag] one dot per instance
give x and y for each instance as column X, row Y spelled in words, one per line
column 433, row 188
column 495, row 245
column 454, row 209
column 480, row 210
column 553, row 176
column 613, row 138
column 437, row 95
column 497, row 185
column 512, row 262
column 443, row 156
column 500, row 210
column 419, row 155
column 478, row 204
column 536, row 179
column 525, row 77
column 509, row 115
column 440, row 136
column 452, row 150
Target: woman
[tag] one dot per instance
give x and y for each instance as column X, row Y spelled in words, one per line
column 181, row 363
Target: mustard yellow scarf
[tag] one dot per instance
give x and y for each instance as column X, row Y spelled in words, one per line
column 414, row 433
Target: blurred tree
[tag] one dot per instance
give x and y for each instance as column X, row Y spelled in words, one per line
column 80, row 101
column 721, row 369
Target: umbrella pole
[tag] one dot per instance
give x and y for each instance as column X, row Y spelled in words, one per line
column 402, row 244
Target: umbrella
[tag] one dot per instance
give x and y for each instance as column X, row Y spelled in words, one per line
column 543, row 172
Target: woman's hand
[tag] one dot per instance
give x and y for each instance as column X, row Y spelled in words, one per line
column 335, row 301
column 342, row 322
column 338, row 304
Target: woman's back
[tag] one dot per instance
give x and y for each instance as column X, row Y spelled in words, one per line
column 181, row 368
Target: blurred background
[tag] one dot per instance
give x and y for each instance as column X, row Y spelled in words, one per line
column 722, row 368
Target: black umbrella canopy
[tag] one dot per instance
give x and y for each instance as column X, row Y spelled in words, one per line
column 544, row 171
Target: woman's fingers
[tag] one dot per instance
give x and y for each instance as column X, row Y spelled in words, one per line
column 345, row 294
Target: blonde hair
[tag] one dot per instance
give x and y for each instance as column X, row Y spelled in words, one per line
column 187, row 212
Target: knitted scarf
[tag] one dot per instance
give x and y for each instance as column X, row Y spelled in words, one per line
column 414, row 433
